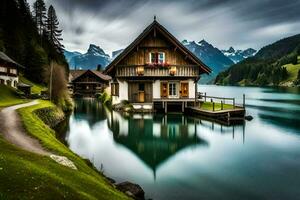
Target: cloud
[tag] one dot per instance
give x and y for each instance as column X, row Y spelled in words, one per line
column 113, row 24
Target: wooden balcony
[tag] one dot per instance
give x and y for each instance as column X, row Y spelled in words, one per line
column 146, row 71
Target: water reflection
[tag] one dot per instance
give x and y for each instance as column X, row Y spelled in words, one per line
column 154, row 139
column 90, row 110
column 181, row 157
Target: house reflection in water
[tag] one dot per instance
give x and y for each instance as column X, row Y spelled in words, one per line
column 89, row 109
column 154, row 138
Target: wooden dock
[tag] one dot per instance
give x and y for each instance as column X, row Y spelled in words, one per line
column 236, row 114
column 224, row 113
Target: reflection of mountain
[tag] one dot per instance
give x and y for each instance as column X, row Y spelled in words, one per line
column 89, row 109
column 154, row 139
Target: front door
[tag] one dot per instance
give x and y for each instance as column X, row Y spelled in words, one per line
column 141, row 94
column 184, row 90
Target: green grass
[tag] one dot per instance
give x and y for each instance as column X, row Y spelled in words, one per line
column 292, row 71
column 9, row 96
column 36, row 88
column 209, row 106
column 26, row 175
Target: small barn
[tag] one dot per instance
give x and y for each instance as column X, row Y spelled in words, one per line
column 87, row 83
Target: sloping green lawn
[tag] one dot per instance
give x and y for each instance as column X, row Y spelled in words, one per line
column 57, row 181
column 9, row 96
column 36, row 88
column 24, row 175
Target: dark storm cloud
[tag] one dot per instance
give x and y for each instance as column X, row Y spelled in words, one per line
column 113, row 24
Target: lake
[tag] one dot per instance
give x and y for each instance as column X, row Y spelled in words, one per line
column 181, row 157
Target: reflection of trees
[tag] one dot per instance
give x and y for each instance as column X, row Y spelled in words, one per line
column 89, row 109
column 155, row 139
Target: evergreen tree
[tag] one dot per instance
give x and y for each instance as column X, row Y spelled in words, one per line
column 53, row 31
column 39, row 15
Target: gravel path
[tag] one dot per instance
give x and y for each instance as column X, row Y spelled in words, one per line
column 13, row 131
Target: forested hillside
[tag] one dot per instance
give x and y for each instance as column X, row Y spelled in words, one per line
column 270, row 66
column 30, row 38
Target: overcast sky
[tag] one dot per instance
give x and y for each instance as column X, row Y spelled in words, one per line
column 113, row 24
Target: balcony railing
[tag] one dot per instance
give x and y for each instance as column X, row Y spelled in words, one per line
column 186, row 71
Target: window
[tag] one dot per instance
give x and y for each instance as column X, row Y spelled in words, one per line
column 141, row 87
column 13, row 71
column 115, row 89
column 161, row 58
column 157, row 58
column 172, row 89
column 3, row 69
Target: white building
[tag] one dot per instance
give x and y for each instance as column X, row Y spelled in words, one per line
column 9, row 71
column 156, row 70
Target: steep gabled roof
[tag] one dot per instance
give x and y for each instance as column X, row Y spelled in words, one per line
column 77, row 73
column 4, row 58
column 158, row 27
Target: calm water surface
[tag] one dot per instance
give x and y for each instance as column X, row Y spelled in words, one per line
column 179, row 157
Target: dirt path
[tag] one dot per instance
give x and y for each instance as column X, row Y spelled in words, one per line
column 13, row 131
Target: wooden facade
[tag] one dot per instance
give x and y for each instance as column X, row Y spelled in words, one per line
column 88, row 82
column 155, row 67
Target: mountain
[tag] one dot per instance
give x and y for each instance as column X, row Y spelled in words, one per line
column 211, row 56
column 116, row 53
column 275, row 64
column 69, row 55
column 238, row 55
column 90, row 60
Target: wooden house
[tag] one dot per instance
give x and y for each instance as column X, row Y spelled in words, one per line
column 9, row 71
column 156, row 70
column 87, row 83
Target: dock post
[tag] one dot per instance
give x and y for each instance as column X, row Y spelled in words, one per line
column 233, row 103
column 166, row 107
column 213, row 106
column 204, row 96
column 244, row 100
column 182, row 106
column 221, row 105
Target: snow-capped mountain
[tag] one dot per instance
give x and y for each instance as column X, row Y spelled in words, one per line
column 70, row 54
column 211, row 56
column 239, row 55
column 116, row 53
column 90, row 60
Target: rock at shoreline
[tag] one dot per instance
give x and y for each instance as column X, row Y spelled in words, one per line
column 132, row 190
column 248, row 117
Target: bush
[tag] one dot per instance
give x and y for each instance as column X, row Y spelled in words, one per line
column 50, row 115
column 105, row 99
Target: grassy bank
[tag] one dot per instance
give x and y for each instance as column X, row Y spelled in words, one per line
column 9, row 96
column 29, row 176
column 36, row 88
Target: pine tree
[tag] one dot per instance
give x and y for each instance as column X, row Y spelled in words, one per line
column 53, row 31
column 39, row 15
